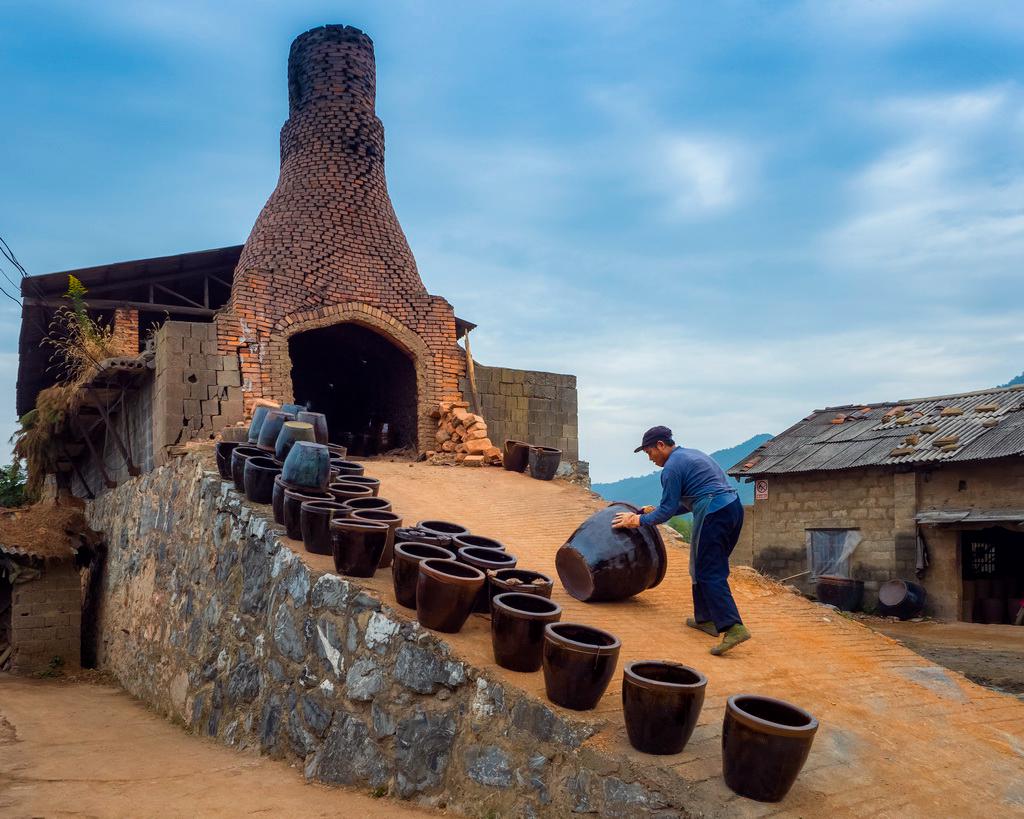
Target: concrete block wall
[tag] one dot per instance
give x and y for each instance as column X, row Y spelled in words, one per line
column 197, row 391
column 46, row 619
column 527, row 405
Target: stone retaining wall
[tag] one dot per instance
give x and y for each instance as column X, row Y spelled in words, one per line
column 211, row 620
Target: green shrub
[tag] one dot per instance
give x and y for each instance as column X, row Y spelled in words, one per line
column 12, row 485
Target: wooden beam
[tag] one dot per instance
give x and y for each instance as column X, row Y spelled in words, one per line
column 151, row 307
column 178, row 295
column 471, row 374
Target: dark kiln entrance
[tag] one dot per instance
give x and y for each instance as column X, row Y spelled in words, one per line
column 364, row 384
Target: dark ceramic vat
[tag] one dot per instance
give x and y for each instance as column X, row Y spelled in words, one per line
column 271, row 428
column 842, row 592
column 338, row 451
column 315, row 517
column 294, row 409
column 238, row 459
column 405, row 568
column 362, row 503
column 479, row 540
column 290, row 434
column 486, row 560
column 516, row 456
column 445, row 591
column 357, row 546
column 348, row 467
column 522, row 581
column 308, row 464
column 277, row 499
column 442, row 527
column 389, row 519
column 343, row 491
column 601, row 563
column 579, row 662
column 224, row 450
column 765, row 743
column 413, row 534
column 544, row 462
column 373, row 484
column 319, row 423
column 661, row 702
column 293, row 500
column 901, row 598
column 258, row 478
column 517, row 629
column 258, row 415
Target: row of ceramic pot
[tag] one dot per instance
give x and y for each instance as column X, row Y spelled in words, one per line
column 306, row 464
column 542, row 461
column 267, row 422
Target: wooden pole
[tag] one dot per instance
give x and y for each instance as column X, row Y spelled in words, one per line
column 471, row 375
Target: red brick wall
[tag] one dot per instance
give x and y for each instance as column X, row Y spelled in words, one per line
column 126, row 331
column 46, row 618
column 327, row 246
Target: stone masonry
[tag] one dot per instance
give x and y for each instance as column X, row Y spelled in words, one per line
column 46, row 616
column 327, row 246
column 214, row 622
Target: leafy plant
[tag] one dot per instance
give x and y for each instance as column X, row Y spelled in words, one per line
column 12, row 485
column 684, row 525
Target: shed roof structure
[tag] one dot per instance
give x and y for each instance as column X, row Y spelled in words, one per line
column 973, row 426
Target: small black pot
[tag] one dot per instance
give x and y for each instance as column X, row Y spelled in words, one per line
column 486, row 560
column 765, row 743
column 445, row 591
column 661, row 702
column 224, row 450
column 347, row 467
column 315, row 518
column 442, row 527
column 479, row 540
column 357, row 546
column 343, row 491
column 521, row 581
column 293, row 500
column 413, row 534
column 238, row 458
column 389, row 519
column 842, row 592
column 516, row 457
column 365, row 503
column 517, row 629
column 405, row 568
column 373, row 484
column 258, row 478
column 544, row 461
column 579, row 662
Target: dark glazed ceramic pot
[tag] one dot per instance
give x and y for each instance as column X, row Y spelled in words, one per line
column 389, row 519
column 293, row 500
column 479, row 540
column 517, row 629
column 544, row 461
column 579, row 662
column 238, row 459
column 901, row 598
column 405, row 568
column 258, row 415
column 765, row 743
column 294, row 409
column 319, row 422
column 224, row 450
column 661, row 702
column 347, row 467
column 373, row 484
column 842, row 592
column 315, row 517
column 486, row 560
column 357, row 546
column 362, row 503
column 290, row 434
column 338, row 451
column 258, row 478
column 277, row 499
column 442, row 527
column 601, row 563
column 271, row 428
column 522, row 581
column 308, row 465
column 413, row 534
column 445, row 591
column 516, row 456
column 343, row 491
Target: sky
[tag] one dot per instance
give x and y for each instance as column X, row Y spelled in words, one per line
column 718, row 216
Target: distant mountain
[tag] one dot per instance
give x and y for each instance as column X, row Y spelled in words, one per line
column 646, row 489
column 1013, row 382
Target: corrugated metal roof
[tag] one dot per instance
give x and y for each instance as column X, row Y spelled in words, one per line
column 979, row 425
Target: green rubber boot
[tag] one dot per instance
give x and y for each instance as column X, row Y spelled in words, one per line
column 736, row 634
column 707, row 628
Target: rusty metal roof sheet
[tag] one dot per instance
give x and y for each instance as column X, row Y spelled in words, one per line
column 950, row 428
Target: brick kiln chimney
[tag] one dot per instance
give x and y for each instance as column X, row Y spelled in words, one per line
column 327, row 248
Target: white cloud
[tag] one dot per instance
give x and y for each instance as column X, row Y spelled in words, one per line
column 700, row 176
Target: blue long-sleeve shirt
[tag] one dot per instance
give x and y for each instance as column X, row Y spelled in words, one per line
column 689, row 474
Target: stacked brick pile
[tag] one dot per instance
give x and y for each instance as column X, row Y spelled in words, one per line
column 462, row 436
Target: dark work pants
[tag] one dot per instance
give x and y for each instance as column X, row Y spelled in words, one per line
column 712, row 597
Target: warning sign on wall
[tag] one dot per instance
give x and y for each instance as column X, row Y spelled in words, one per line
column 761, row 490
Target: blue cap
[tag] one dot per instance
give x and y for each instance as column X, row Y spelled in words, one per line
column 653, row 435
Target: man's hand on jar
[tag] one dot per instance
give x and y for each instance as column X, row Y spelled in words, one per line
column 626, row 520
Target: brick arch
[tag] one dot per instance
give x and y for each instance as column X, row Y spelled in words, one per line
column 372, row 318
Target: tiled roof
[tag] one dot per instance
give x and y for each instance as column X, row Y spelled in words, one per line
column 972, row 426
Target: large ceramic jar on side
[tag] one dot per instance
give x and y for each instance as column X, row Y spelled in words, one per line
column 765, row 743
column 258, row 478
column 600, row 563
column 315, row 518
column 517, row 629
column 405, row 568
column 486, row 560
column 357, row 546
column 579, row 662
column 308, row 465
column 389, row 519
column 445, row 591
column 660, row 703
column 293, row 500
column 238, row 459
column 291, row 433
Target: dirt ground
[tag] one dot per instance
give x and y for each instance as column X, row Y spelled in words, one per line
column 989, row 655
column 90, row 750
